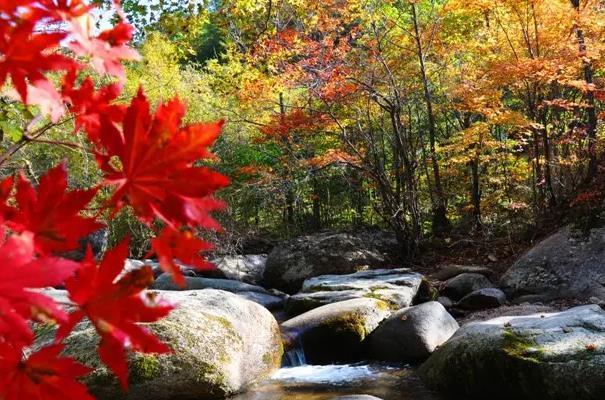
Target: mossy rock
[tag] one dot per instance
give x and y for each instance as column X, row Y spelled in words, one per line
column 556, row 356
column 336, row 332
column 221, row 344
column 398, row 288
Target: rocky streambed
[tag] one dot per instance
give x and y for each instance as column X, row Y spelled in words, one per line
column 344, row 322
column 362, row 381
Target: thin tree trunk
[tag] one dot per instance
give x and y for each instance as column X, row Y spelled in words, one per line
column 552, row 199
column 316, row 203
column 441, row 224
column 476, row 193
column 289, row 211
column 590, row 99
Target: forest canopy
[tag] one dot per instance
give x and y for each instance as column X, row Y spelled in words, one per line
column 428, row 118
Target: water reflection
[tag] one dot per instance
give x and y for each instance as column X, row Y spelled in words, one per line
column 323, row 382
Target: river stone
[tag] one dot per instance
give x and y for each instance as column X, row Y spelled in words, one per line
column 95, row 241
column 268, row 301
column 463, row 284
column 445, row 301
column 564, row 265
column 449, row 271
column 482, row 299
column 290, row 263
column 165, row 282
column 335, row 332
column 131, row 265
column 357, row 397
column 222, row 343
column 550, row 356
column 397, row 287
column 245, row 268
column 412, row 334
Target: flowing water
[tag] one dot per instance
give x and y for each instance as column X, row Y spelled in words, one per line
column 324, row 382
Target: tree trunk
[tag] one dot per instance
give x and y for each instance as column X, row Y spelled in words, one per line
column 476, row 193
column 590, row 99
column 552, row 199
column 441, row 224
column 289, row 211
column 316, row 204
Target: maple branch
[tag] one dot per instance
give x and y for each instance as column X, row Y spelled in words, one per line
column 70, row 145
column 28, row 138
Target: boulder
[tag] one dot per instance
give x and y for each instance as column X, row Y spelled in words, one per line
column 222, row 343
column 96, row 241
column 185, row 269
column 335, row 332
column 463, row 284
column 254, row 293
column 133, row 265
column 564, row 265
column 268, row 301
column 290, row 263
column 412, row 334
column 397, row 287
column 482, row 299
column 445, row 301
column 449, row 271
column 245, row 268
column 165, row 282
column 550, row 356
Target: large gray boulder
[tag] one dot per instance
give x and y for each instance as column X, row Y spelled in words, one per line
column 397, row 287
column 412, row 334
column 290, row 263
column 551, row 356
column 222, row 343
column 335, row 332
column 463, row 284
column 245, row 268
column 566, row 264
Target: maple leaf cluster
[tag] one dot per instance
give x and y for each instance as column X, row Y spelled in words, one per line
column 150, row 163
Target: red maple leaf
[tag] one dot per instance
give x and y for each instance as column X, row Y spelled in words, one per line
column 106, row 50
column 27, row 56
column 182, row 245
column 51, row 213
column 44, row 375
column 115, row 308
column 19, row 274
column 63, row 9
column 93, row 109
column 157, row 176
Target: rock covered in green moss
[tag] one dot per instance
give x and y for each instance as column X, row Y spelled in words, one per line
column 551, row 356
column 397, row 287
column 335, row 332
column 222, row 343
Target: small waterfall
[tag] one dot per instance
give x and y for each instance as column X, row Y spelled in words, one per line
column 294, row 357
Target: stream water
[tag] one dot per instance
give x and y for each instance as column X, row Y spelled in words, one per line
column 323, row 382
